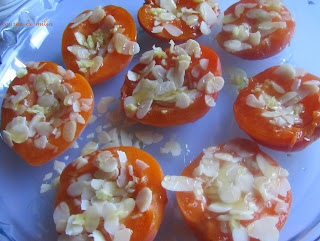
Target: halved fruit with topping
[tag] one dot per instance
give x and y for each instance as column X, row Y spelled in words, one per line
column 99, row 44
column 280, row 108
column 178, row 20
column 233, row 191
column 45, row 109
column 255, row 29
column 173, row 86
column 112, row 194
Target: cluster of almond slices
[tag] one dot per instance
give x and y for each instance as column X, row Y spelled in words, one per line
column 56, row 112
column 107, row 195
column 108, row 38
column 285, row 110
column 256, row 29
column 245, row 35
column 204, row 14
column 237, row 186
column 171, row 86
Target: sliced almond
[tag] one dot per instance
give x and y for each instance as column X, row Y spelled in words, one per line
column 97, row 15
column 144, row 199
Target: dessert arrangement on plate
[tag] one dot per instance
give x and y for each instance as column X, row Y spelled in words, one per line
column 115, row 191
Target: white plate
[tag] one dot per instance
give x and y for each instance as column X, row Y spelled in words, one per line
column 27, row 215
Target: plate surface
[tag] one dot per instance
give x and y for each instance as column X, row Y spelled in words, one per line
column 27, row 215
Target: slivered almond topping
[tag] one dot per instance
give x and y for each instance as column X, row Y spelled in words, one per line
column 75, row 225
column 144, row 108
column 173, row 30
column 168, row 5
column 97, row 15
column 162, row 86
column 281, row 207
column 166, row 17
column 236, row 45
column 102, row 199
column 168, row 12
column 148, row 137
column 97, row 236
column 133, row 76
column 285, row 107
column 183, row 101
column 207, row 13
column 210, row 101
column 45, row 187
column 71, row 98
column 54, row 95
column 61, row 215
column 253, row 101
column 157, row 29
column 287, row 97
column 219, row 207
column 106, row 39
column 89, row 147
column 22, row 72
column 144, row 199
column 286, row 71
column 123, row 235
column 277, row 87
column 17, row 130
column 69, row 130
column 259, row 14
column 233, row 193
column 264, row 229
column 171, row 147
column 97, row 62
column 58, row 166
column 224, row 156
column 204, row 63
column 80, row 19
column 142, row 164
column 79, row 162
column 103, row 104
column 107, row 162
column 228, row 27
column 229, row 18
column 267, row 21
column 271, row 26
column 193, row 19
column 312, row 82
column 179, row 183
column 41, row 142
column 241, row 32
column 204, row 28
column 255, row 38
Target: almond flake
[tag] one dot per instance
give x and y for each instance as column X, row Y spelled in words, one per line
column 171, row 147
column 45, row 188
column 123, row 235
column 61, row 215
column 144, row 199
column 179, row 183
column 80, row 19
column 97, row 15
column 97, row 236
column 80, row 162
column 59, row 166
column 89, row 147
column 141, row 164
column 264, row 229
column 69, row 131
